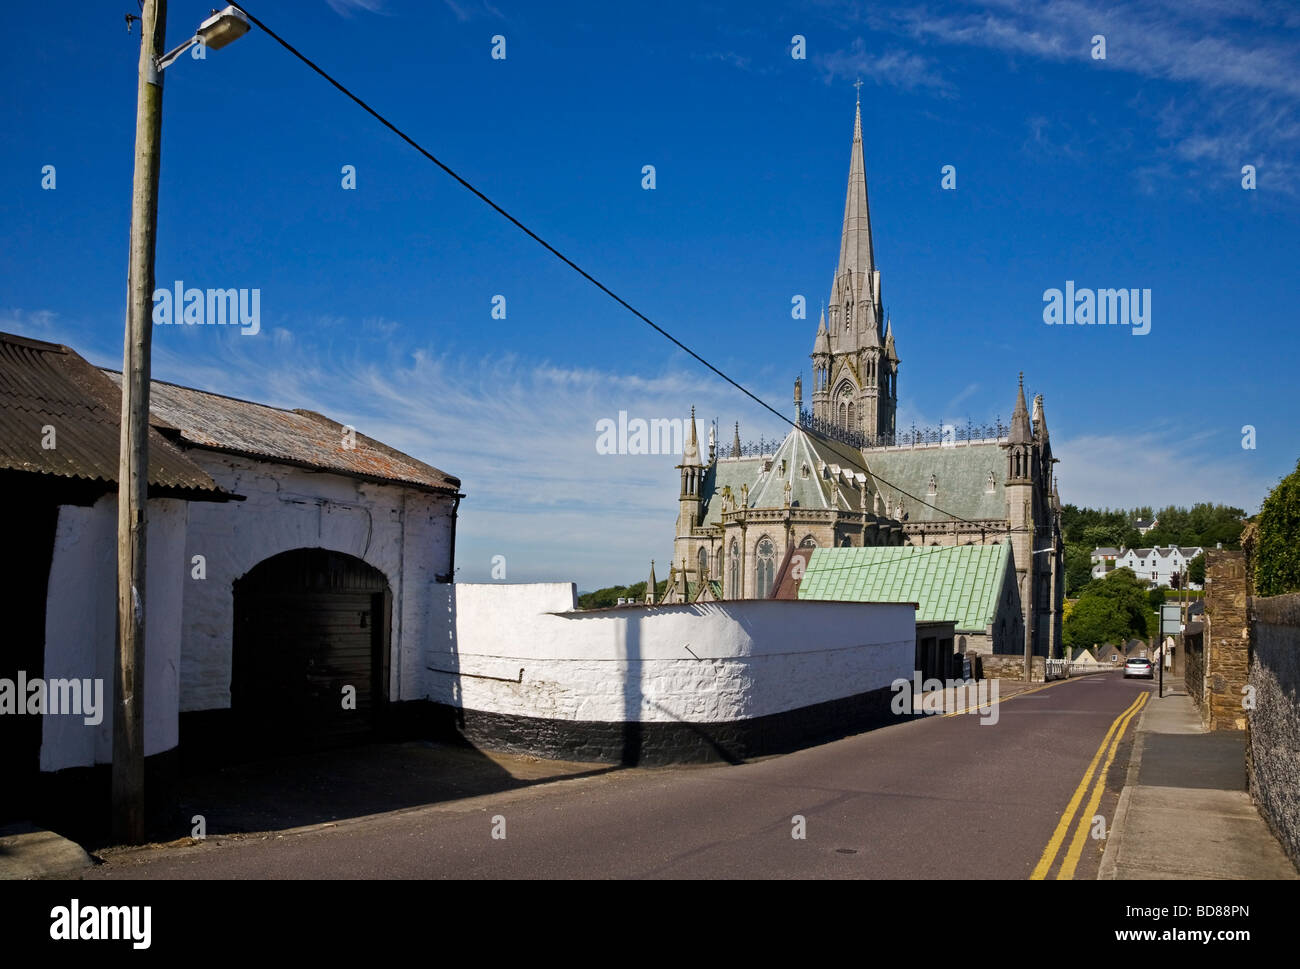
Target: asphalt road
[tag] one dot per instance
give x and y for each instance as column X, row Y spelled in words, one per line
column 939, row 797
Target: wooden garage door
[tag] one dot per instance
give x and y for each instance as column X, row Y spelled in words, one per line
column 310, row 648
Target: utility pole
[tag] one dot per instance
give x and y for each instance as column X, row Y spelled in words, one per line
column 133, row 463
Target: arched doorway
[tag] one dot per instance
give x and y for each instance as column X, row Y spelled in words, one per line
column 309, row 624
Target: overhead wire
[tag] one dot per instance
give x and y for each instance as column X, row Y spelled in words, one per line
column 347, row 92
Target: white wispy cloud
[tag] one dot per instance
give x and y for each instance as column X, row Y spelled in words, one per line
column 1234, row 68
column 521, row 436
column 897, row 68
column 347, row 7
column 1157, row 469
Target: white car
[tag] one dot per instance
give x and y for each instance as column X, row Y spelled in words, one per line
column 1139, row 667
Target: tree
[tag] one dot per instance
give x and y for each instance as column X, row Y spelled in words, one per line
column 1094, row 620
column 1110, row 610
column 1078, row 568
column 1196, row 570
column 1277, row 549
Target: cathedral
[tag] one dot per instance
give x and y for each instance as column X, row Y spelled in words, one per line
column 845, row 476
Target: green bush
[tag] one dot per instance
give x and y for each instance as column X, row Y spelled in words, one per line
column 1277, row 552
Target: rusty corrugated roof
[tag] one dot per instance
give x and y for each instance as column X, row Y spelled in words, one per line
column 299, row 437
column 45, row 385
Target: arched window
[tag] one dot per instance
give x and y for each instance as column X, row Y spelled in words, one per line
column 989, row 487
column 849, row 425
column 704, row 563
column 734, row 568
column 934, row 486
column 764, row 567
column 808, row 542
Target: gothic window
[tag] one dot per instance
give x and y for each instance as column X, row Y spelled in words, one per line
column 808, row 542
column 850, row 425
column 845, row 542
column 764, row 568
column 704, row 563
column 989, row 486
column 804, row 471
column 934, row 486
column 734, row 582
column 848, row 314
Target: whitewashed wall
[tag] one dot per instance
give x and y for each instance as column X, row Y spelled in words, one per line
column 709, row 663
column 405, row 534
column 81, row 627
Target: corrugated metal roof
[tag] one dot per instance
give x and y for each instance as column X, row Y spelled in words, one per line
column 48, row 385
column 959, row 584
column 298, row 437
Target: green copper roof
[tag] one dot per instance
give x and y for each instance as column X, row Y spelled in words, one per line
column 960, row 584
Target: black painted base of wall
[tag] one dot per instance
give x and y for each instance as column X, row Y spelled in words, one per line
column 651, row 744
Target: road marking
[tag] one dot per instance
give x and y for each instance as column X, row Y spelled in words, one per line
column 1063, row 826
column 1076, row 846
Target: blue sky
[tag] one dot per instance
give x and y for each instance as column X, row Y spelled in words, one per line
column 376, row 303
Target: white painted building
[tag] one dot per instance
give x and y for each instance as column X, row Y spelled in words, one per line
column 1159, row 565
column 288, row 558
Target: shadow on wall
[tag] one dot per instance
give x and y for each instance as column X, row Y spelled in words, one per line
column 630, row 636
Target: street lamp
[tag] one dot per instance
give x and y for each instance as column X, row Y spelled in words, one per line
column 133, row 459
column 222, row 28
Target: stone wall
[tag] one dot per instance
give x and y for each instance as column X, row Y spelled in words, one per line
column 1194, row 668
column 1009, row 667
column 1274, row 736
column 1227, row 640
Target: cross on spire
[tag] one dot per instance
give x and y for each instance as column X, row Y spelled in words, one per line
column 858, row 84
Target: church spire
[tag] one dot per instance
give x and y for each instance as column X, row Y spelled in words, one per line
column 1021, row 433
column 856, row 251
column 691, row 453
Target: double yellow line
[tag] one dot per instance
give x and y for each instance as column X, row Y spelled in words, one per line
column 1071, row 861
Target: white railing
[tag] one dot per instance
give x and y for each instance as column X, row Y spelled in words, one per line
column 1060, row 669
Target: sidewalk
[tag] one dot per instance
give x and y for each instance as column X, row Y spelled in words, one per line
column 29, row 852
column 1184, row 812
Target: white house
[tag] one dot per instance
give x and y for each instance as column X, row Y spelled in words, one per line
column 1159, row 565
